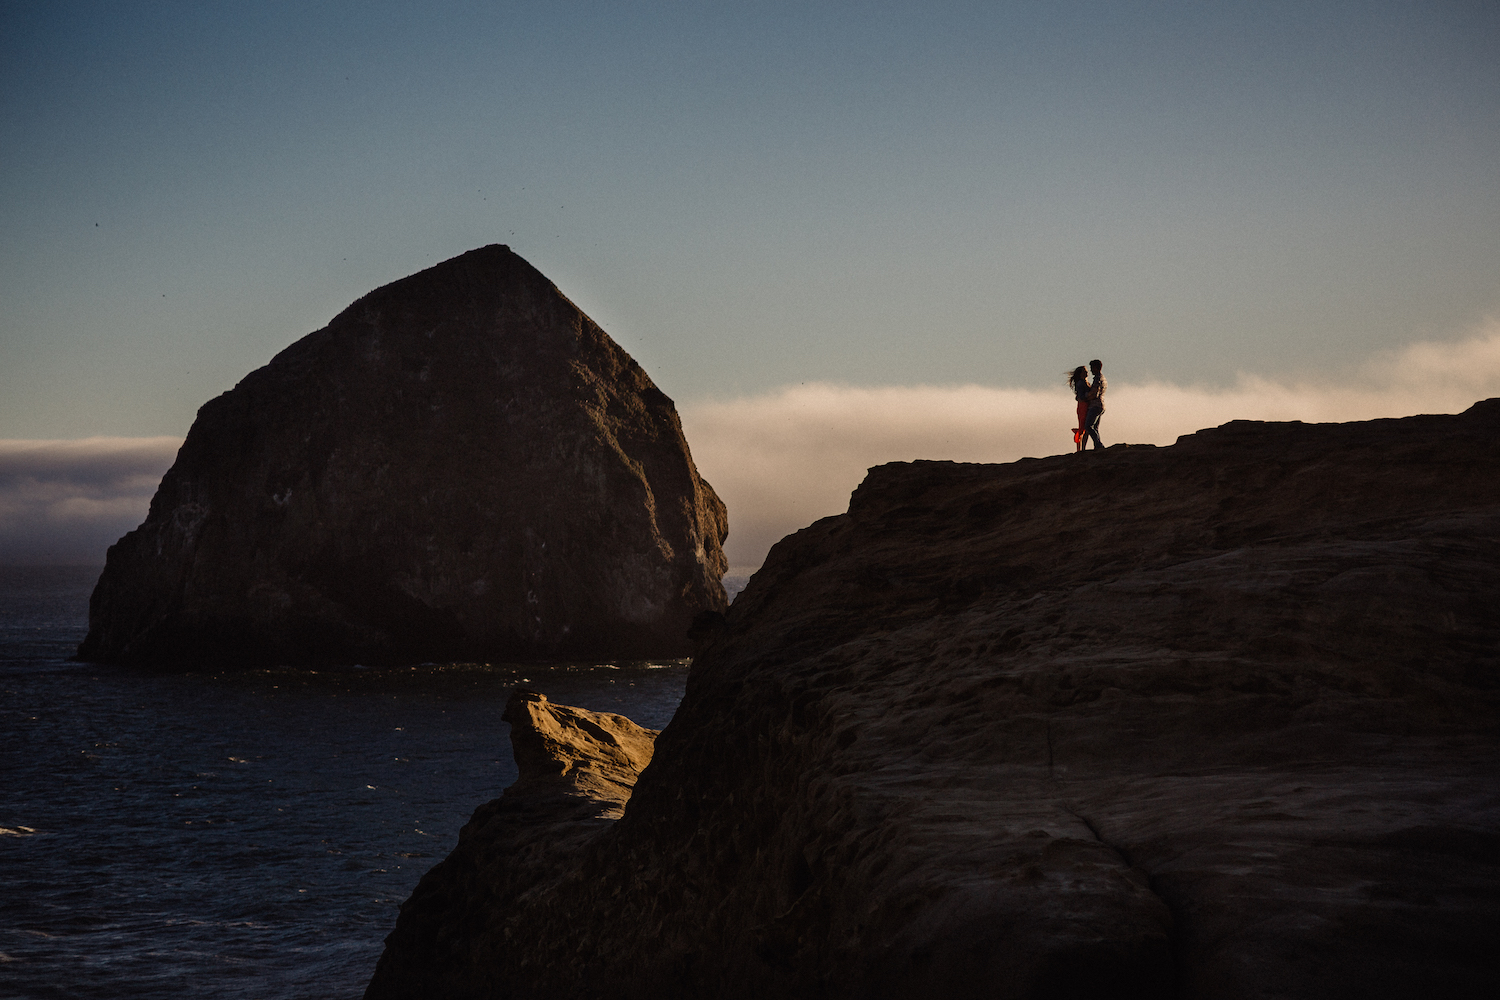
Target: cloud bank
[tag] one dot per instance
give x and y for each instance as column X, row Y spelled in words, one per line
column 66, row 502
column 784, row 459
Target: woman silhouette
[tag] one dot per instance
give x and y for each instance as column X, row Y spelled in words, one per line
column 1079, row 381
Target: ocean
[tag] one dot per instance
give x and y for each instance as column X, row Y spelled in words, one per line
column 238, row 833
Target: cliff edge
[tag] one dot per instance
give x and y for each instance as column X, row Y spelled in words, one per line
column 460, row 466
column 1214, row 720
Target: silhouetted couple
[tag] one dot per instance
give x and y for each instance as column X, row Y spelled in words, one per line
column 1090, row 397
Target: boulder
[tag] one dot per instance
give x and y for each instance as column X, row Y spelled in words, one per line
column 576, row 771
column 1218, row 720
column 460, row 466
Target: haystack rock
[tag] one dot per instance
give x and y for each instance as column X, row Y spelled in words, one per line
column 1219, row 720
column 460, row 466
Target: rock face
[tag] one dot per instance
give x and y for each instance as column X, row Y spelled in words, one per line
column 577, row 769
column 461, row 466
column 1220, row 720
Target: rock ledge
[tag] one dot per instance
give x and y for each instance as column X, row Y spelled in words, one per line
column 577, row 769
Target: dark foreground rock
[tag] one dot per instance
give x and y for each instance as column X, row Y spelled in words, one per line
column 461, row 466
column 1218, row 720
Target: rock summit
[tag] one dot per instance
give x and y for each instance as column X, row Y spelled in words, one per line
column 460, row 466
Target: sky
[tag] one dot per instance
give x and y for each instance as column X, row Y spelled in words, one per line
column 836, row 234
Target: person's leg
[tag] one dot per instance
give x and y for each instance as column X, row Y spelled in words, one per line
column 1092, row 427
column 1083, row 412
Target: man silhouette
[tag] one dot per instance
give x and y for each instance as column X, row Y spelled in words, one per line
column 1095, row 399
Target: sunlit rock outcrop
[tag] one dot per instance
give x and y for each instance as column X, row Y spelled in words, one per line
column 577, row 769
column 461, row 465
column 1214, row 720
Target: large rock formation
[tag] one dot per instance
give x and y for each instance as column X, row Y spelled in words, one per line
column 1219, row 720
column 461, row 465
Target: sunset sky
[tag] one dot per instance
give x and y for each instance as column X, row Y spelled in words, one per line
column 834, row 233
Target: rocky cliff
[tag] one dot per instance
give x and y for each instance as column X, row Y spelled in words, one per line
column 460, row 466
column 1214, row 720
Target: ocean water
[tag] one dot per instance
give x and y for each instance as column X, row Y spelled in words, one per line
column 237, row 834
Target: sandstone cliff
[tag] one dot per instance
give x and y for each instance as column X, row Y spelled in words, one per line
column 577, row 769
column 1215, row 720
column 461, row 465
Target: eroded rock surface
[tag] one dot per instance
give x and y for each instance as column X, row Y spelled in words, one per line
column 460, row 466
column 577, row 769
column 1217, row 720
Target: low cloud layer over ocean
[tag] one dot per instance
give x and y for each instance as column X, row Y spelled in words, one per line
column 783, row 459
column 66, row 502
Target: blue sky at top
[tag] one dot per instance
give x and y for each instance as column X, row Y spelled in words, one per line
column 749, row 196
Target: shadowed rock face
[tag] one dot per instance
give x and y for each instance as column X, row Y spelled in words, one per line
column 461, row 465
column 1215, row 720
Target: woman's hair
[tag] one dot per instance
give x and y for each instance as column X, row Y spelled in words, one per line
column 1079, row 374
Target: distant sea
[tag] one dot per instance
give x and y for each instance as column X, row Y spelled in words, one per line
column 229, row 834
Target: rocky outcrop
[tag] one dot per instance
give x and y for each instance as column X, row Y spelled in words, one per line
column 460, row 466
column 577, row 769
column 1214, row 720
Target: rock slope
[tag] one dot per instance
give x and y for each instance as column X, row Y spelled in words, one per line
column 460, row 466
column 1217, row 720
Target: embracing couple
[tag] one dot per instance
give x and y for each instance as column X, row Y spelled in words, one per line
column 1090, row 397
